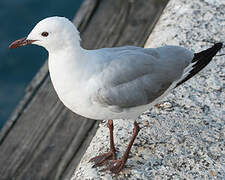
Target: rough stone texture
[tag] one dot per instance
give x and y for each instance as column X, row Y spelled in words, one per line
column 183, row 138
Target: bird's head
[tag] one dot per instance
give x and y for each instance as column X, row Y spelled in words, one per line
column 53, row 33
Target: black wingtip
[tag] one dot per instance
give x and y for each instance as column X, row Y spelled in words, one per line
column 218, row 45
column 202, row 59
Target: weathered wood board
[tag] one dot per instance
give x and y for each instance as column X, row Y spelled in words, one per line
column 43, row 139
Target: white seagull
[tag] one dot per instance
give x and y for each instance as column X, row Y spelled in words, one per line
column 112, row 83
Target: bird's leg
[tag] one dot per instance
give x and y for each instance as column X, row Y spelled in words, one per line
column 117, row 165
column 111, row 155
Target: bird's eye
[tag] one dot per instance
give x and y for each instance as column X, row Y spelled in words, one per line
column 45, row 34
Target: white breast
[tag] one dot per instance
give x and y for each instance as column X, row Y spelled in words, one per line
column 66, row 79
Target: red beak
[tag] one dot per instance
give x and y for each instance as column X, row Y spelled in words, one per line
column 21, row 42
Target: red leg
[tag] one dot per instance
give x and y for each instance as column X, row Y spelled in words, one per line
column 117, row 165
column 102, row 158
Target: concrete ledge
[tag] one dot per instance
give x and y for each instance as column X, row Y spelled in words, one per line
column 184, row 138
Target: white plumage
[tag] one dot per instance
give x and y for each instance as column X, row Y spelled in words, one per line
column 112, row 83
column 107, row 83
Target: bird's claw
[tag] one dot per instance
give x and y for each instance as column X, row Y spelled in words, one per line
column 102, row 158
column 115, row 166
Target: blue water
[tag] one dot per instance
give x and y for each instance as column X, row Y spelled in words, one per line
column 18, row 66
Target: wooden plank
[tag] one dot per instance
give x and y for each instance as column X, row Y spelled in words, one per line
column 43, row 139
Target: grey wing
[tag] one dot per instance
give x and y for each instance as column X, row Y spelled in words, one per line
column 138, row 77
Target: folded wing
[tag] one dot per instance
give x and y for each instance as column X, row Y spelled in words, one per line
column 137, row 77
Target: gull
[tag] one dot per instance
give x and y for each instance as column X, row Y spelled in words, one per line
column 112, row 83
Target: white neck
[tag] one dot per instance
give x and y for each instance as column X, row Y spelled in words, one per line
column 66, row 68
column 68, row 44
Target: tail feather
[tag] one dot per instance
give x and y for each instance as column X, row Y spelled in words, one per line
column 200, row 60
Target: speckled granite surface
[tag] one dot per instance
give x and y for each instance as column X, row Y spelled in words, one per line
column 184, row 138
